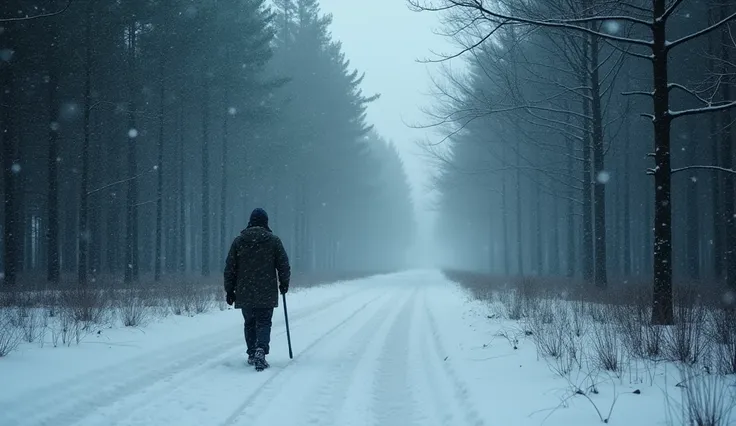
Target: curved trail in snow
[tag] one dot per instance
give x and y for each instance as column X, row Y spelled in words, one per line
column 374, row 357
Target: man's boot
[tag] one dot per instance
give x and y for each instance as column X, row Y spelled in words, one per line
column 260, row 360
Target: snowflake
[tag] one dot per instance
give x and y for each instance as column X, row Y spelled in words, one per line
column 232, row 111
column 611, row 27
column 15, row 168
column 133, row 133
column 603, row 177
column 54, row 126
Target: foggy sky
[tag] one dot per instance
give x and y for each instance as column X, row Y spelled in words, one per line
column 384, row 39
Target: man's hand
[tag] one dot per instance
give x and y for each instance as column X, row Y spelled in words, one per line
column 284, row 287
column 230, row 298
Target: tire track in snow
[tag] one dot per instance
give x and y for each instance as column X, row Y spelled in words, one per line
column 332, row 395
column 270, row 388
column 438, row 356
column 68, row 402
column 393, row 396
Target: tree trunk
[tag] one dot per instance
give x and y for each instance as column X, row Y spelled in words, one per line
column 160, row 168
column 554, row 254
column 505, row 218
column 587, row 249
column 131, row 217
column 84, row 231
column 662, row 309
column 520, row 239
column 729, row 242
column 627, row 249
column 223, row 186
column 692, row 230
column 571, row 252
column 601, row 177
column 538, row 230
column 10, row 172
column 205, row 180
column 182, row 230
column 52, row 226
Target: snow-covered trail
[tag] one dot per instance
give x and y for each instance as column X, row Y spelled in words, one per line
column 370, row 355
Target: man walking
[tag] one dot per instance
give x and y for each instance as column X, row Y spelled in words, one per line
column 251, row 282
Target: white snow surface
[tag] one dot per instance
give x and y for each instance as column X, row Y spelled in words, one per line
column 404, row 349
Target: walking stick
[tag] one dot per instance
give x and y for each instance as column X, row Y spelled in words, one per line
column 286, row 318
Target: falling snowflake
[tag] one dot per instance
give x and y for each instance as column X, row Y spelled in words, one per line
column 15, row 168
column 694, row 179
column 2, row 275
column 133, row 133
column 54, row 126
column 729, row 298
column 6, row 54
column 58, row 159
column 611, row 27
column 603, row 177
column 155, row 167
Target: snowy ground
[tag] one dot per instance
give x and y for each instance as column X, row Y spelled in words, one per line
column 403, row 349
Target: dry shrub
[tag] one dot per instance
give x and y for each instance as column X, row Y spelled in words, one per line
column 133, row 309
column 687, row 340
column 87, row 305
column 549, row 330
column 606, row 344
column 10, row 335
column 579, row 321
column 723, row 330
column 707, row 399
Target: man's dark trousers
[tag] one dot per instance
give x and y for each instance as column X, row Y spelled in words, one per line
column 257, row 328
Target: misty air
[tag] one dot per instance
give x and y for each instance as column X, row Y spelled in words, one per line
column 367, row 213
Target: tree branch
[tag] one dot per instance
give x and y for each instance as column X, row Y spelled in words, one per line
column 704, row 31
column 43, row 15
column 715, row 168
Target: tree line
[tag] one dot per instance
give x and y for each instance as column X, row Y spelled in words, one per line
column 138, row 135
column 590, row 140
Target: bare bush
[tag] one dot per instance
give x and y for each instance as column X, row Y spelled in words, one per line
column 707, row 399
column 550, row 333
column 132, row 308
column 687, row 340
column 31, row 325
column 513, row 303
column 724, row 339
column 579, row 321
column 203, row 300
column 606, row 344
column 10, row 335
column 87, row 305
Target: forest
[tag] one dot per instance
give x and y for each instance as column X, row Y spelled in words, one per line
column 138, row 135
column 588, row 140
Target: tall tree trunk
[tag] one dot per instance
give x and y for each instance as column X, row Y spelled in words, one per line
column 520, row 239
column 205, row 179
column 588, row 248
column 692, row 229
column 182, row 230
column 538, row 229
column 505, row 218
column 554, row 254
column 729, row 243
column 223, row 186
column 627, row 249
column 599, row 185
column 84, row 231
column 11, row 166
column 52, row 226
column 662, row 309
column 131, row 218
column 160, row 166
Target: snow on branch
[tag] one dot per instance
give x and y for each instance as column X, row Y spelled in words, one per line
column 715, row 168
column 702, row 32
column 571, row 24
column 704, row 110
column 671, row 9
column 43, row 15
